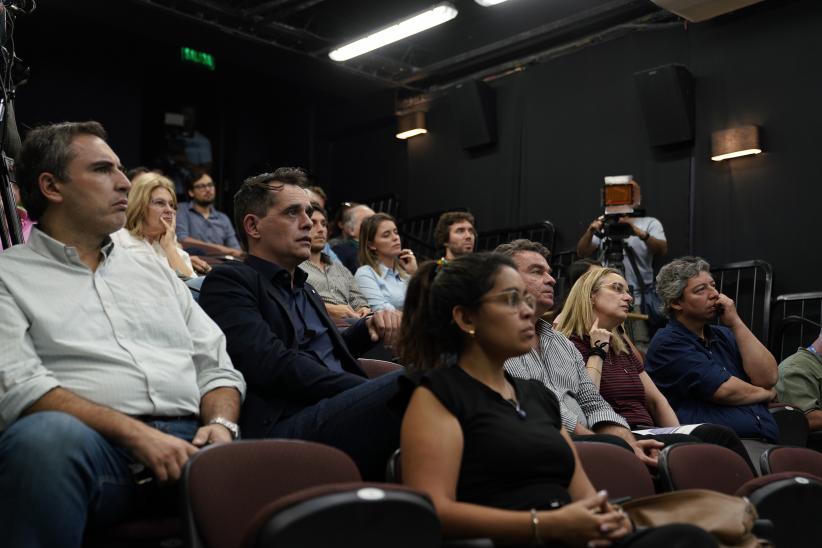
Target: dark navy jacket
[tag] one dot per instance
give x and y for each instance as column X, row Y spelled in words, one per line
column 688, row 371
column 261, row 340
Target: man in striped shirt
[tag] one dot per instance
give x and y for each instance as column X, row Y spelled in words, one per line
column 556, row 363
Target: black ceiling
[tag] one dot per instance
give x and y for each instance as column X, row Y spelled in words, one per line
column 478, row 39
column 290, row 39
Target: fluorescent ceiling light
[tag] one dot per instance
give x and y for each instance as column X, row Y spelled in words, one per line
column 486, row 3
column 432, row 17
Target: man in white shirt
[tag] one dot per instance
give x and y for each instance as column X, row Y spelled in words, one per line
column 107, row 366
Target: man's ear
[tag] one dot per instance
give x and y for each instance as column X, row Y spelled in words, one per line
column 464, row 319
column 190, row 193
column 251, row 226
column 50, row 187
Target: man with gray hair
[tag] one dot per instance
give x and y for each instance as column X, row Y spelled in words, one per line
column 718, row 374
column 347, row 247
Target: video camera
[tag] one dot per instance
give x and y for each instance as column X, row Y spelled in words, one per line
column 621, row 197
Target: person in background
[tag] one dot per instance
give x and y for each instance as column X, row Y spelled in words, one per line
column 348, row 244
column 335, row 284
column 455, row 234
column 150, row 221
column 386, row 266
column 201, row 226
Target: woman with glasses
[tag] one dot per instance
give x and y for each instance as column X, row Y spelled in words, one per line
column 150, row 222
column 489, row 449
column 386, row 266
column 592, row 319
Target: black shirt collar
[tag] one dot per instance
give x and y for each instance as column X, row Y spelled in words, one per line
column 278, row 275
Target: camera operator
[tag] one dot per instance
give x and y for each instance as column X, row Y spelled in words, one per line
column 647, row 241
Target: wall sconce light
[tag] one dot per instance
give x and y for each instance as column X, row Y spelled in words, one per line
column 411, row 124
column 734, row 142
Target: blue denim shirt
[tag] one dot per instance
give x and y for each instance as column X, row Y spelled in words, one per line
column 384, row 291
column 217, row 229
column 689, row 370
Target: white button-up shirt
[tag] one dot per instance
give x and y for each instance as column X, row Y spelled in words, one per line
column 128, row 335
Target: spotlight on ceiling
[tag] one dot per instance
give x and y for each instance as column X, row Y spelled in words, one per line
column 486, row 3
column 424, row 20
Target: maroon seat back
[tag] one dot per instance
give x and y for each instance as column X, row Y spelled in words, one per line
column 614, row 469
column 791, row 459
column 376, row 368
column 226, row 485
column 702, row 466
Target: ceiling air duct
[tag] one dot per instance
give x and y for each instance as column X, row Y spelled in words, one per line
column 697, row 11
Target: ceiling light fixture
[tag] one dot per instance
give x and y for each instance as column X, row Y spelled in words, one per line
column 419, row 22
column 486, row 3
column 735, row 142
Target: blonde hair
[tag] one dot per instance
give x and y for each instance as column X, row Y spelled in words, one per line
column 578, row 312
column 368, row 231
column 139, row 197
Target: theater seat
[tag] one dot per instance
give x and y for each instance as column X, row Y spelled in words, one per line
column 351, row 514
column 375, row 368
column 614, row 469
column 702, row 466
column 295, row 493
column 791, row 459
column 792, row 423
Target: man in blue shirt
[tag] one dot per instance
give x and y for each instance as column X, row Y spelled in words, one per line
column 719, row 374
column 201, row 226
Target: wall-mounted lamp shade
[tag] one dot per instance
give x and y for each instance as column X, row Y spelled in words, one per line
column 486, row 3
column 418, row 22
column 411, row 124
column 734, row 142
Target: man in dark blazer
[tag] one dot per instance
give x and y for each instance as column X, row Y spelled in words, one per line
column 303, row 379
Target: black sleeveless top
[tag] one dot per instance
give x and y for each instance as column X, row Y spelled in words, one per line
column 512, row 460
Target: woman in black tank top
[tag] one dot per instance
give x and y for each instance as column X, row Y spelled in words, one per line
column 489, row 449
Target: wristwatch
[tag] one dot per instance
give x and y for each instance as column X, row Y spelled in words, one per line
column 232, row 426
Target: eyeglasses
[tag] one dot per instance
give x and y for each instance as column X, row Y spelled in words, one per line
column 513, row 299
column 616, row 287
column 162, row 204
column 201, row 186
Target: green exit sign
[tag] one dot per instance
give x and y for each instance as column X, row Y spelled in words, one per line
column 190, row 55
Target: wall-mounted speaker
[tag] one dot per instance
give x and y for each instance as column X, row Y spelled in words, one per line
column 474, row 108
column 666, row 95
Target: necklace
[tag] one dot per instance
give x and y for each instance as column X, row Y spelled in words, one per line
column 514, row 402
column 519, row 410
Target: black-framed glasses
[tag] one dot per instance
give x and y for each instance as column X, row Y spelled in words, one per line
column 202, row 186
column 512, row 299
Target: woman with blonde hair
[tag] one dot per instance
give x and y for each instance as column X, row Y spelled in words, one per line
column 151, row 218
column 592, row 319
column 386, row 266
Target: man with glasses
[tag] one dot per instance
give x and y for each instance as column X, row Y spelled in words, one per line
column 201, row 226
column 712, row 373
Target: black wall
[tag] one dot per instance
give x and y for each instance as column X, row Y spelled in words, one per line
column 565, row 124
